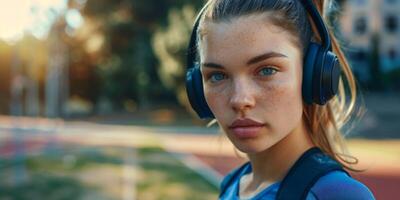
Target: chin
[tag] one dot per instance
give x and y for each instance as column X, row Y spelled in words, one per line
column 252, row 145
column 251, row 148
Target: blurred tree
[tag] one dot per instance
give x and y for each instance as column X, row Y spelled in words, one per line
column 57, row 76
column 128, row 52
column 28, row 58
column 170, row 45
column 127, row 65
column 5, row 78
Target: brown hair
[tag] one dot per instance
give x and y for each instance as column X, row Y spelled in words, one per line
column 325, row 122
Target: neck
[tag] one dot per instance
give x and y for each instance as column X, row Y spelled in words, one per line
column 274, row 163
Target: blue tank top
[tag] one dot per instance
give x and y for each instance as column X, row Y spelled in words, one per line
column 334, row 185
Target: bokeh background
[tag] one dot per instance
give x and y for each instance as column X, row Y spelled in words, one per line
column 93, row 102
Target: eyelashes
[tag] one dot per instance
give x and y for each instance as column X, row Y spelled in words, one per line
column 267, row 71
column 218, row 76
column 215, row 77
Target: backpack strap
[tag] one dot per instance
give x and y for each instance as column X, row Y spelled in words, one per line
column 312, row 165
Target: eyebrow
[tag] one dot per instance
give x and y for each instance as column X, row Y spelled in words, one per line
column 254, row 60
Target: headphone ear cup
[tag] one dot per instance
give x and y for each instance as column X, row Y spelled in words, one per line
column 308, row 72
column 195, row 92
column 318, row 75
column 325, row 77
column 330, row 77
column 321, row 73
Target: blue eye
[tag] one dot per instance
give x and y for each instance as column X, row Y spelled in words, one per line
column 267, row 71
column 215, row 77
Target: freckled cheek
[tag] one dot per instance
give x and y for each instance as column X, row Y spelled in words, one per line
column 215, row 100
column 282, row 91
column 283, row 102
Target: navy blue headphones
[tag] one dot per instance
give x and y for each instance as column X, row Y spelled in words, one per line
column 321, row 68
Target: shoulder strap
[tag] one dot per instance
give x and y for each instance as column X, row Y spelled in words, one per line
column 227, row 181
column 312, row 165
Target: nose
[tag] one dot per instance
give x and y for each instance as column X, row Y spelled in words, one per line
column 242, row 97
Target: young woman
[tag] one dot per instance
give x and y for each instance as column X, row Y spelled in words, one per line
column 269, row 72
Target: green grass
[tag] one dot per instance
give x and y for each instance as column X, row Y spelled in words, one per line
column 167, row 178
column 44, row 186
column 75, row 173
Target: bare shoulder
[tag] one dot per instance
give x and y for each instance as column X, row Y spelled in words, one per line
column 338, row 185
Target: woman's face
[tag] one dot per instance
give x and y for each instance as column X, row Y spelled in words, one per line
column 252, row 69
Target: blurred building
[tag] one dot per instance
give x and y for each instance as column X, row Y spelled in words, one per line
column 365, row 21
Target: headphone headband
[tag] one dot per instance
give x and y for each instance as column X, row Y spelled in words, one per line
column 319, row 23
column 192, row 53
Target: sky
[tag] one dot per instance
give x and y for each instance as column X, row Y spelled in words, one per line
column 33, row 16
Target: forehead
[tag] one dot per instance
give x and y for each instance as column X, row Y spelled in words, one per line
column 243, row 37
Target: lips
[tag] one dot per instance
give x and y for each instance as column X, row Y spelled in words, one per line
column 246, row 122
column 246, row 128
